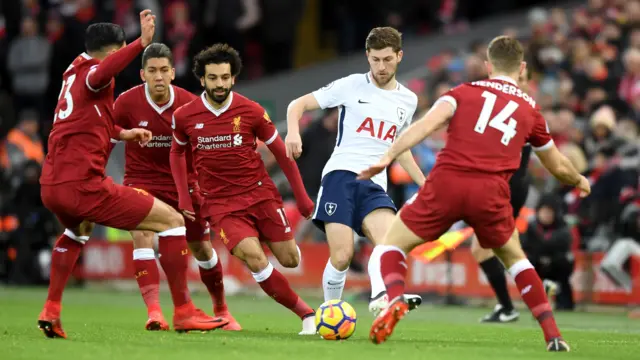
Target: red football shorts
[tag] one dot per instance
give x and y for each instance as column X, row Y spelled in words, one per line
column 197, row 230
column 100, row 201
column 480, row 200
column 264, row 217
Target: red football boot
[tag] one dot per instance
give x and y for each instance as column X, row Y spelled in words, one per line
column 189, row 318
column 233, row 325
column 384, row 324
column 156, row 322
column 49, row 321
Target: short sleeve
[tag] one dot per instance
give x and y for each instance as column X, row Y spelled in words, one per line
column 335, row 93
column 452, row 97
column 264, row 128
column 179, row 134
column 540, row 138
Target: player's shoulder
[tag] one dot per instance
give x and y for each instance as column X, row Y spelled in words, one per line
column 183, row 96
column 190, row 108
column 405, row 92
column 348, row 81
column 243, row 103
column 130, row 94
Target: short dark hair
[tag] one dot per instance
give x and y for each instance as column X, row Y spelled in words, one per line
column 505, row 54
column 101, row 35
column 383, row 37
column 157, row 50
column 217, row 54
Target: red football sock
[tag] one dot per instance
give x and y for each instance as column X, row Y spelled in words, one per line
column 274, row 284
column 63, row 259
column 532, row 292
column 393, row 268
column 148, row 277
column 212, row 279
column 174, row 258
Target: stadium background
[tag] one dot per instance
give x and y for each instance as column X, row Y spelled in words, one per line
column 586, row 62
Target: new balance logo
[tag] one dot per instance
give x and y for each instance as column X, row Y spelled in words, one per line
column 59, row 249
column 287, row 230
column 143, row 123
column 526, row 290
column 199, row 126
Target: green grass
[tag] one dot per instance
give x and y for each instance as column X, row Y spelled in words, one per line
column 109, row 325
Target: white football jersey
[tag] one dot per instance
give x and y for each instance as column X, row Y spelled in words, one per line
column 370, row 120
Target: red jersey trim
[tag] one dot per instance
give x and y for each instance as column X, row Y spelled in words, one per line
column 86, row 80
column 272, row 138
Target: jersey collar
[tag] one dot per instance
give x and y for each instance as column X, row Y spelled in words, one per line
column 155, row 106
column 216, row 112
column 506, row 78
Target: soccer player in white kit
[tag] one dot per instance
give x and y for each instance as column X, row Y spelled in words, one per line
column 374, row 109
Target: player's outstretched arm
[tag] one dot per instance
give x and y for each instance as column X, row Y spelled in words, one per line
column 562, row 168
column 118, row 61
column 293, row 141
column 290, row 169
column 408, row 163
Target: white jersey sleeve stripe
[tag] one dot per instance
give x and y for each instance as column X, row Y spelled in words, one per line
column 272, row 138
column 342, row 112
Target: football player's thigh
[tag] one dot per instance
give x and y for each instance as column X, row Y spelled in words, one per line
column 421, row 220
column 231, row 229
column 376, row 212
column 120, row 207
column 490, row 214
column 276, row 231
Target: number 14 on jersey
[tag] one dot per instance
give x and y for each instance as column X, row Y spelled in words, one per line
column 498, row 122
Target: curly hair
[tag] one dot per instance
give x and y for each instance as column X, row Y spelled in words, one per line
column 217, row 54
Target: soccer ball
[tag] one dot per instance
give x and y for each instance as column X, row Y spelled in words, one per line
column 335, row 320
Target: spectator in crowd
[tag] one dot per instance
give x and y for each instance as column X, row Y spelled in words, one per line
column 22, row 145
column 547, row 243
column 29, row 57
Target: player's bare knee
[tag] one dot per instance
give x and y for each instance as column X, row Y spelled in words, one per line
column 341, row 259
column 201, row 250
column 256, row 262
column 175, row 219
column 142, row 239
column 290, row 259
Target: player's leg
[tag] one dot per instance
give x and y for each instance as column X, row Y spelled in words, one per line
column 129, row 208
column 494, row 271
column 148, row 278
column 334, row 215
column 272, row 282
column 210, row 268
column 375, row 226
column 531, row 289
column 64, row 256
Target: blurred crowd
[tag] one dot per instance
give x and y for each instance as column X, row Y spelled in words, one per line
column 586, row 79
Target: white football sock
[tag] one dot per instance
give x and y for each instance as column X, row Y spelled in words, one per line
column 375, row 275
column 333, row 282
column 209, row 264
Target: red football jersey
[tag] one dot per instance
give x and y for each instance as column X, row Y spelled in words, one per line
column 79, row 142
column 223, row 142
column 493, row 120
column 150, row 164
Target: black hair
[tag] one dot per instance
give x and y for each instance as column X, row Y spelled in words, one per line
column 101, row 35
column 155, row 51
column 217, row 54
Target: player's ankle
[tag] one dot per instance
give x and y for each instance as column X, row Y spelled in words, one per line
column 188, row 307
column 220, row 309
column 53, row 306
column 154, row 308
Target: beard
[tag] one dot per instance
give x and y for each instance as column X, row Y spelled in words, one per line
column 217, row 97
column 383, row 80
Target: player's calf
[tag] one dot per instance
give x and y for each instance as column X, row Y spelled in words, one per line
column 273, row 283
column 341, row 248
column 148, row 277
column 530, row 286
column 64, row 256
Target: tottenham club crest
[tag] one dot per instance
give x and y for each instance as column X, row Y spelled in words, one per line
column 330, row 208
column 402, row 114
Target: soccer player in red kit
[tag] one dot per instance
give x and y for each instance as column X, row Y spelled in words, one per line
column 241, row 202
column 74, row 185
column 488, row 124
column 151, row 106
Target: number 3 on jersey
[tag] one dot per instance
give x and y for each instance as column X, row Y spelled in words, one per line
column 499, row 122
column 66, row 90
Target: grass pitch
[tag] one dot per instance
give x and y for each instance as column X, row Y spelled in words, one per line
column 110, row 325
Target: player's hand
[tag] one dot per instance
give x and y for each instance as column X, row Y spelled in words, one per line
column 189, row 215
column 142, row 136
column 305, row 206
column 293, row 143
column 147, row 26
column 584, row 186
column 373, row 170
